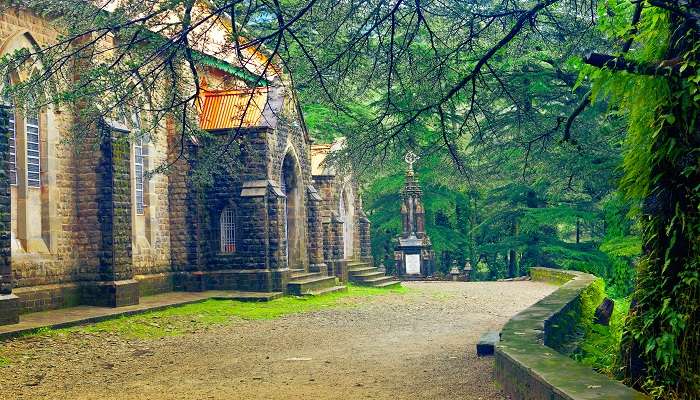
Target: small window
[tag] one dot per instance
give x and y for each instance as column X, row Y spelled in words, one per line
column 13, row 150
column 139, row 172
column 13, row 133
column 228, row 230
column 140, row 162
column 33, row 154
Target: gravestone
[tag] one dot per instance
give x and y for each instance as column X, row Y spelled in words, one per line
column 604, row 312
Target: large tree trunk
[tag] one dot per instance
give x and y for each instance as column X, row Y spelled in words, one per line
column 662, row 337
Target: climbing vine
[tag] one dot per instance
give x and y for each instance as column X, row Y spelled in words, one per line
column 662, row 175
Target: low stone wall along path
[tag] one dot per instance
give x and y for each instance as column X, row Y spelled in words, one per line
column 414, row 345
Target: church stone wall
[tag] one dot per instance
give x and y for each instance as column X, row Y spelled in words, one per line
column 99, row 252
column 38, row 276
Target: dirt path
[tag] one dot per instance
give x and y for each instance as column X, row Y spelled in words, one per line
column 419, row 345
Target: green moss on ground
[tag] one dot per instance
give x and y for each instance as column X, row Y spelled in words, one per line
column 600, row 347
column 188, row 318
column 4, row 362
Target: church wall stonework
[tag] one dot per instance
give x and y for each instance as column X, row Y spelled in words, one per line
column 58, row 265
column 100, row 252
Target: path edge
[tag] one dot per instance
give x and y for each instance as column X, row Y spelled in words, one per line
column 528, row 369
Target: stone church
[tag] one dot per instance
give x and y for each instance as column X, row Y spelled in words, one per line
column 95, row 228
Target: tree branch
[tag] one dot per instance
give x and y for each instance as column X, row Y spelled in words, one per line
column 664, row 68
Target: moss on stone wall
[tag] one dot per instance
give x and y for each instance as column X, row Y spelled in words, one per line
column 566, row 327
column 527, row 369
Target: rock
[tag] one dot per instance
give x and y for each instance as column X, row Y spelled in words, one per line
column 604, row 312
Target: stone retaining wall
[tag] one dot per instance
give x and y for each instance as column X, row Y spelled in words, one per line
column 527, row 369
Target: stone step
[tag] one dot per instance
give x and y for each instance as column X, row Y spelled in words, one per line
column 367, row 275
column 315, row 283
column 390, row 283
column 375, row 281
column 331, row 289
column 360, row 270
column 379, row 280
column 303, row 275
column 355, row 264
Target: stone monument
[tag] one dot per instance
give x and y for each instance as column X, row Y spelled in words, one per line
column 413, row 253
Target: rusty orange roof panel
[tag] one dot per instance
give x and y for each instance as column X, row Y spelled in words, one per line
column 231, row 109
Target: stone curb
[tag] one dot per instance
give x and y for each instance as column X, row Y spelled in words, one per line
column 527, row 369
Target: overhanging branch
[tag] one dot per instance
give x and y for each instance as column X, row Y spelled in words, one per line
column 664, row 68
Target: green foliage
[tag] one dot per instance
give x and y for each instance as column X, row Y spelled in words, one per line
column 662, row 335
column 591, row 298
column 326, row 123
column 4, row 362
column 600, row 347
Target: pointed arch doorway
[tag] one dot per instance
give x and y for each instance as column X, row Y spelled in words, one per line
column 293, row 213
column 346, row 209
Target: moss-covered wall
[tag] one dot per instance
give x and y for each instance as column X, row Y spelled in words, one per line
column 527, row 364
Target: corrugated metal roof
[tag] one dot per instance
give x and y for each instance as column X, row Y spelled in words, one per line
column 225, row 109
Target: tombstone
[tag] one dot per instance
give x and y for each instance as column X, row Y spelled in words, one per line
column 413, row 252
column 604, row 312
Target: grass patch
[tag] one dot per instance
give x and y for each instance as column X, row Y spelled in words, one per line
column 600, row 347
column 188, row 318
column 4, row 362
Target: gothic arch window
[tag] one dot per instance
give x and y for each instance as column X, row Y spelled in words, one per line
column 227, row 226
column 139, row 162
column 140, row 156
column 32, row 159
column 7, row 101
column 27, row 141
column 143, row 226
column 32, row 128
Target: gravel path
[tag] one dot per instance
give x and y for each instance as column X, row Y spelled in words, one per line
column 419, row 345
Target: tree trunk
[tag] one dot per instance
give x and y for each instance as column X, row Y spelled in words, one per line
column 667, row 288
column 578, row 230
column 512, row 266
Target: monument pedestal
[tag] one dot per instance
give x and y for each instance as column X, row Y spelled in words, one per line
column 413, row 253
column 414, row 257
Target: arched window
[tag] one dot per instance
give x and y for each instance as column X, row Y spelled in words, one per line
column 7, row 101
column 227, row 223
column 31, row 158
column 33, row 153
column 139, row 158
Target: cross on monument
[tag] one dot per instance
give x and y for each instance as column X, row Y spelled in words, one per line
column 411, row 159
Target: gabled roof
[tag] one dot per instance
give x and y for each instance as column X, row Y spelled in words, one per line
column 232, row 109
column 319, row 154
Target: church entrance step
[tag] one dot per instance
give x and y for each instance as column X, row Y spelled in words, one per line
column 305, row 285
column 360, row 271
column 303, row 275
column 331, row 289
column 358, row 264
column 368, row 275
column 375, row 281
column 390, row 283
